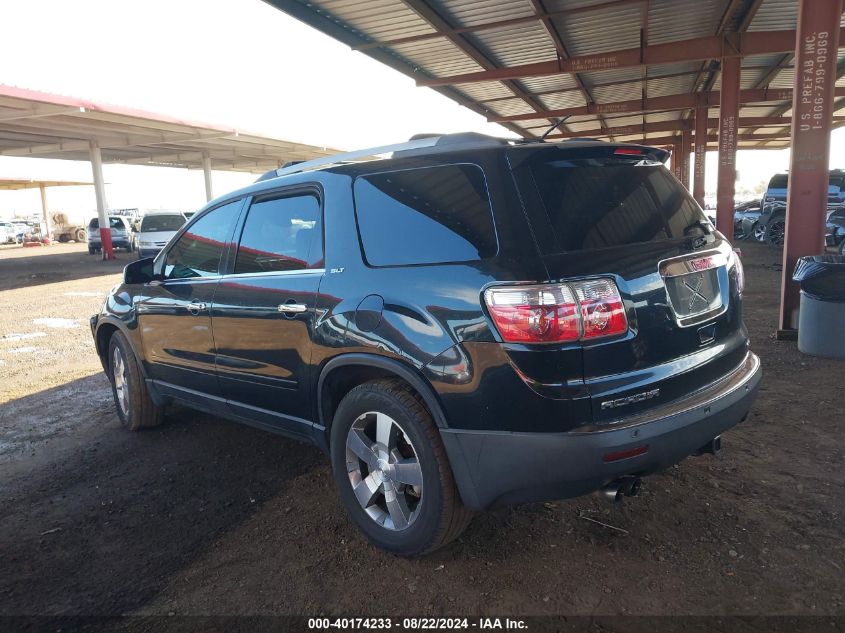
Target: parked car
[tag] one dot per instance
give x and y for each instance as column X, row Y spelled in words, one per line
column 776, row 190
column 835, row 234
column 746, row 211
column 7, row 233
column 466, row 324
column 121, row 234
column 155, row 230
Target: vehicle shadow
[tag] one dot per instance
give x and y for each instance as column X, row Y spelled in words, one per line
column 27, row 271
column 97, row 520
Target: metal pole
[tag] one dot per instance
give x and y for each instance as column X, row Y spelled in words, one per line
column 686, row 149
column 44, row 212
column 100, row 191
column 677, row 159
column 700, row 155
column 728, row 113
column 206, row 170
column 816, row 43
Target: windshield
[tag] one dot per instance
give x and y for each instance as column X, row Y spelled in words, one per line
column 161, row 222
column 593, row 203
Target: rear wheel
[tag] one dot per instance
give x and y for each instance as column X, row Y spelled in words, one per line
column 391, row 470
column 135, row 408
column 80, row 235
column 775, row 232
column 91, row 250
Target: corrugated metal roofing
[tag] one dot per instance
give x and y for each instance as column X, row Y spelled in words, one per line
column 449, row 38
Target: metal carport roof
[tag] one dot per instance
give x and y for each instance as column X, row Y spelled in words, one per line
column 628, row 70
column 42, row 125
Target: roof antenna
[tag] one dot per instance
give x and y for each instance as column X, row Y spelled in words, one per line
column 554, row 127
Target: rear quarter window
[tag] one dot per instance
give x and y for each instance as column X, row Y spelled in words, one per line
column 428, row 215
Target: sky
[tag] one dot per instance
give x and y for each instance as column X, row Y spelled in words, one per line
column 239, row 63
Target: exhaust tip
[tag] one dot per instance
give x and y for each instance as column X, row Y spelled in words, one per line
column 619, row 488
column 711, row 448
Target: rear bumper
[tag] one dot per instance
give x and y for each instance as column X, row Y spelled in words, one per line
column 495, row 468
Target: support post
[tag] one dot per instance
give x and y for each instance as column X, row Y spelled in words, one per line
column 100, row 192
column 44, row 213
column 677, row 160
column 206, row 170
column 728, row 113
column 700, row 155
column 686, row 149
column 816, row 43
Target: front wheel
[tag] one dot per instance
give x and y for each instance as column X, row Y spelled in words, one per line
column 775, row 232
column 391, row 470
column 759, row 232
column 135, row 408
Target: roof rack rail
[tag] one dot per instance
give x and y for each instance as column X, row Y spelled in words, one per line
column 335, row 159
column 406, row 149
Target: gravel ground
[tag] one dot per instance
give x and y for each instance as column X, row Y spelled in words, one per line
column 202, row 516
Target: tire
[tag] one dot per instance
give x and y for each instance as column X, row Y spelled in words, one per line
column 80, row 235
column 135, row 408
column 91, row 250
column 758, row 232
column 775, row 232
column 433, row 510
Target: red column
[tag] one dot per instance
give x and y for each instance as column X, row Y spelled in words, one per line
column 816, row 45
column 700, row 155
column 677, row 159
column 686, row 149
column 728, row 115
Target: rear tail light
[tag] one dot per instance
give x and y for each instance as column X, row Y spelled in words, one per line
column 740, row 270
column 554, row 313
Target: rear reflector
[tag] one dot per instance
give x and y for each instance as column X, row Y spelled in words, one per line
column 631, row 452
column 554, row 313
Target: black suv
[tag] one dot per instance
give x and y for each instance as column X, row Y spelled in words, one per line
column 470, row 322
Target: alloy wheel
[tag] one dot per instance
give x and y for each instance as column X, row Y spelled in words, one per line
column 759, row 232
column 121, row 385
column 384, row 470
column 776, row 233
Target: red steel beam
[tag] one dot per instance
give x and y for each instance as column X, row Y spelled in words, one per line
column 668, row 141
column 692, row 50
column 677, row 159
column 701, row 125
column 728, row 120
column 686, row 149
column 816, row 44
column 679, row 126
column 668, row 102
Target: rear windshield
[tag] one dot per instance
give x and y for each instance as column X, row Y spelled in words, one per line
column 153, row 223
column 778, row 181
column 114, row 223
column 601, row 203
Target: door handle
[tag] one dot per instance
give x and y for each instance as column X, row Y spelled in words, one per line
column 195, row 307
column 292, row 308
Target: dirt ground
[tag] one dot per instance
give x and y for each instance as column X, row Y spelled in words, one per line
column 202, row 516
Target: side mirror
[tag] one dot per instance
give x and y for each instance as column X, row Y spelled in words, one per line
column 139, row 272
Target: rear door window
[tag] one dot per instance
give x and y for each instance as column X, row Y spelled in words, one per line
column 602, row 203
column 429, row 215
column 281, row 234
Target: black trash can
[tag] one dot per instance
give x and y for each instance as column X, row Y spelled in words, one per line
column 821, row 318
